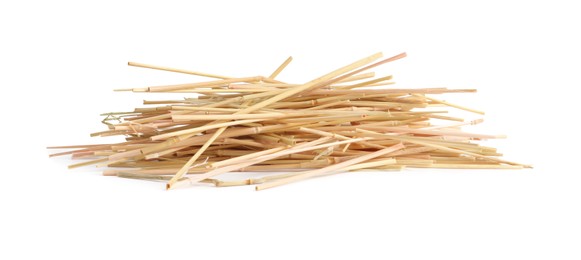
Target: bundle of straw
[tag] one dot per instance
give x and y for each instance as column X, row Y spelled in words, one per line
column 341, row 121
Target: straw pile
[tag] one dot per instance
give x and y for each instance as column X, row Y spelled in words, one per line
column 343, row 121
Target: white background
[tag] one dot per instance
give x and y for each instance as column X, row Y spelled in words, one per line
column 61, row 59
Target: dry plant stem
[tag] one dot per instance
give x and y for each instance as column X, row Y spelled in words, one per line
column 366, row 83
column 227, row 117
column 355, row 71
column 197, row 155
column 390, row 91
column 473, row 122
column 358, row 77
column 258, row 157
column 217, row 91
column 75, row 146
column 281, row 67
column 150, row 177
column 456, row 106
column 338, row 136
column 202, row 84
column 449, row 118
column 135, row 64
column 243, row 158
column 370, row 164
column 252, row 181
column 77, row 165
column 432, row 132
column 468, row 166
column 332, row 168
column 444, row 148
column 202, row 129
column 296, row 90
column 297, row 149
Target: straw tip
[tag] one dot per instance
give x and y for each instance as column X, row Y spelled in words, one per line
column 110, row 173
